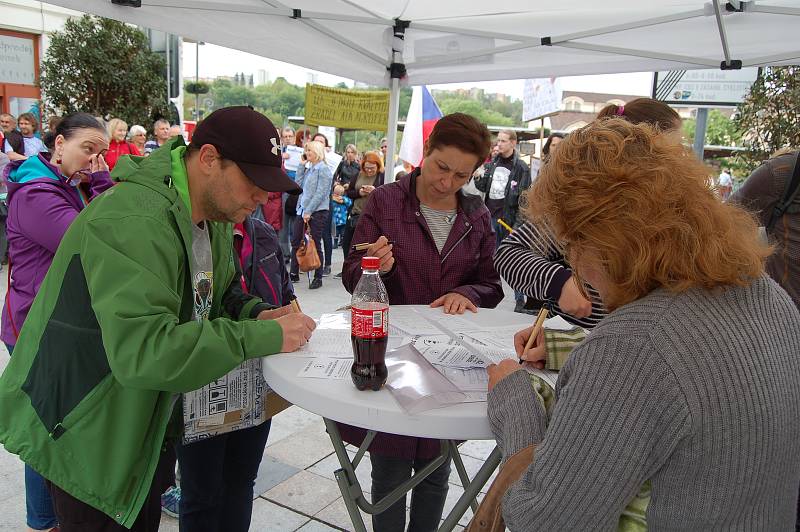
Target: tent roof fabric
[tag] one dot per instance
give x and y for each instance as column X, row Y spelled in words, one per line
column 474, row 40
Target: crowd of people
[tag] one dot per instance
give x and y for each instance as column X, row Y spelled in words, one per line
column 127, row 292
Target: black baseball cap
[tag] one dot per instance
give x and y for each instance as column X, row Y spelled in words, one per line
column 249, row 139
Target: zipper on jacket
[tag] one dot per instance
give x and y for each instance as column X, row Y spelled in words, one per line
column 275, row 297
column 469, row 229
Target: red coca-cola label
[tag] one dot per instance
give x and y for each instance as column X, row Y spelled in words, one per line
column 370, row 322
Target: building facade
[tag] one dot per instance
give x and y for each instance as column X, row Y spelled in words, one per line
column 24, row 29
column 580, row 108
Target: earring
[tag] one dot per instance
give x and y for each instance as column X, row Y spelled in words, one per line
column 58, row 159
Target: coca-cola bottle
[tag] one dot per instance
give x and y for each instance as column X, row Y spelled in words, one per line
column 369, row 330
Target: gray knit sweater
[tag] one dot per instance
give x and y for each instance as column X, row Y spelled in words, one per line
column 698, row 392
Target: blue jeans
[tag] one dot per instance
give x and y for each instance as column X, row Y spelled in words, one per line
column 217, row 479
column 38, row 503
column 427, row 499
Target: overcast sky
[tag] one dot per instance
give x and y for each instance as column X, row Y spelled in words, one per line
column 219, row 61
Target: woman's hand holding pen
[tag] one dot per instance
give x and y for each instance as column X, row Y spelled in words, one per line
column 535, row 355
column 382, row 249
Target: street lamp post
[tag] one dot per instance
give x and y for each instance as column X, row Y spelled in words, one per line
column 197, row 81
column 197, row 46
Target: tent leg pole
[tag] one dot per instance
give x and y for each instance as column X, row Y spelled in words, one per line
column 700, row 132
column 391, row 133
column 541, row 140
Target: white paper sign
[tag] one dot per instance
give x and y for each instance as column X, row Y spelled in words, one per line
column 293, row 161
column 16, row 60
column 540, row 97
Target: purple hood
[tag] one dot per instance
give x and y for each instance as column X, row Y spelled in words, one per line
column 41, row 207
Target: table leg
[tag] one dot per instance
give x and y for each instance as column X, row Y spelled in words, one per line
column 351, row 490
column 471, row 490
column 462, row 472
column 349, row 502
column 352, row 495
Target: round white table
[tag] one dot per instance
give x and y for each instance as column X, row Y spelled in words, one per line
column 339, row 400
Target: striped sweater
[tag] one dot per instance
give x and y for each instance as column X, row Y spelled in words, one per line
column 530, row 261
column 698, row 392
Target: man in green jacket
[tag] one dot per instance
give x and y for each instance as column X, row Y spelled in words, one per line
column 142, row 302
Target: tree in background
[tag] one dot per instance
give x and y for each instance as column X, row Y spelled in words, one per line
column 770, row 114
column 720, row 130
column 476, row 108
column 105, row 68
column 280, row 99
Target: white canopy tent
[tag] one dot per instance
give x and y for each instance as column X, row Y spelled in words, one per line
column 446, row 41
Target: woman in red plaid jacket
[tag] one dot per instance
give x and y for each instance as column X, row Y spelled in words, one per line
column 441, row 255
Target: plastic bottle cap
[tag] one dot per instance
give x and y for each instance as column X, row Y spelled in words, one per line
column 370, row 263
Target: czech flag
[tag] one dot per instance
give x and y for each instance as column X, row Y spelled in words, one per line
column 422, row 116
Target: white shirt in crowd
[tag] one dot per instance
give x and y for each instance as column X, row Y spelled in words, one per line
column 499, row 182
column 33, row 146
column 725, row 180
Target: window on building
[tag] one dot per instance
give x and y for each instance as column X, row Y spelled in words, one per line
column 573, row 103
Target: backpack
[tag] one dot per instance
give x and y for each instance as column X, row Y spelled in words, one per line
column 789, row 195
column 263, row 269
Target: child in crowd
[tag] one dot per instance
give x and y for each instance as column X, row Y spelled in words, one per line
column 341, row 207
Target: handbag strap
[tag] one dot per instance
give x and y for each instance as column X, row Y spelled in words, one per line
column 489, row 517
column 789, row 194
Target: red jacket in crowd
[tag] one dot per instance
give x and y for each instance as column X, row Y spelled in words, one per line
column 273, row 210
column 116, row 148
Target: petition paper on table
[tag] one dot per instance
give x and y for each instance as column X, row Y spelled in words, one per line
column 326, row 368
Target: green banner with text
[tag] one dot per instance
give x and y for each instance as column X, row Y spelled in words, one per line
column 347, row 109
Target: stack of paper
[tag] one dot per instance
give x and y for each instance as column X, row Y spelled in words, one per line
column 458, row 350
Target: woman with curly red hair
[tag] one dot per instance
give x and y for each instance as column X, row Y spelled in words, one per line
column 690, row 385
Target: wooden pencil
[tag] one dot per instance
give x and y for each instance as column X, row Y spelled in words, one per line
column 364, row 245
column 537, row 327
column 295, row 306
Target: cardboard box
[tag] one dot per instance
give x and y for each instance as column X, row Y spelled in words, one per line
column 239, row 400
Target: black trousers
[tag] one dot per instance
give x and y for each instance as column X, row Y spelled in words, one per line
column 217, row 479
column 349, row 231
column 427, row 499
column 317, row 224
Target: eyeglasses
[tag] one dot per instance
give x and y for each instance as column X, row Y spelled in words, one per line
column 85, row 173
column 370, row 167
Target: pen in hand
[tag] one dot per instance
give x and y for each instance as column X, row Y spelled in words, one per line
column 364, row 245
column 295, row 306
column 537, row 327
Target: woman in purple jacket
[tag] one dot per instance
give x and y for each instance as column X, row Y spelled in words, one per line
column 441, row 256
column 43, row 199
